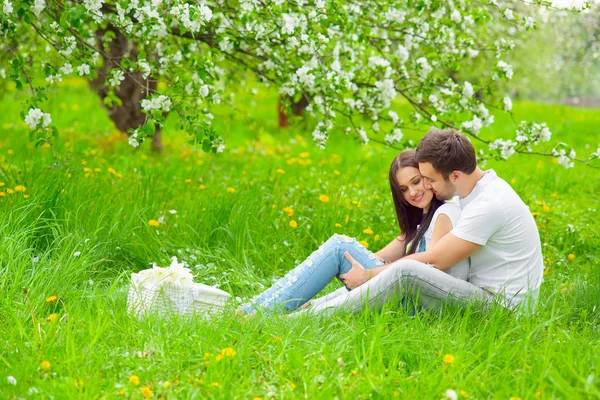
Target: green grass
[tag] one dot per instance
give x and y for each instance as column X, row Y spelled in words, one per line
column 241, row 241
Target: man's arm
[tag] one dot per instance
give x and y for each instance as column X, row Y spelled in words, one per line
column 447, row 251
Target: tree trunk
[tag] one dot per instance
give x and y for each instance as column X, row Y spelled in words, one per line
column 129, row 115
column 298, row 108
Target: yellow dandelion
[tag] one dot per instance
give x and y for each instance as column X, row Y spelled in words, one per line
column 219, row 357
column 292, row 385
column 9, row 191
column 571, row 257
column 368, row 231
column 449, row 359
column 97, row 170
column 546, row 208
column 121, row 392
column 273, row 206
column 228, row 352
column 2, row 184
column 464, row 394
column 293, row 224
column 377, row 237
column 26, row 196
column 45, row 365
column 11, row 151
column 112, row 171
column 535, row 213
column 257, row 398
column 206, row 356
column 78, row 382
column 188, row 181
column 289, row 211
column 230, row 190
column 305, row 154
column 2, row 194
column 51, row 317
column 201, row 187
column 147, row 392
column 51, row 299
column 547, row 271
column 324, row 198
column 336, row 172
column 515, row 398
column 20, row 188
column 364, row 243
column 214, row 384
column 338, row 225
column 134, row 379
column 153, row 222
column 166, row 385
column 280, row 171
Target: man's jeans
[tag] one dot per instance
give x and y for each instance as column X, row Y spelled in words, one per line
column 402, row 280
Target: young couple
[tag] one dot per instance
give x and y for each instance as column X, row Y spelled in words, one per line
column 485, row 248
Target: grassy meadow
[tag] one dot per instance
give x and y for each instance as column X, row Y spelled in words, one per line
column 78, row 218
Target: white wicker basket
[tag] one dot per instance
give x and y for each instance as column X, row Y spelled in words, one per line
column 168, row 298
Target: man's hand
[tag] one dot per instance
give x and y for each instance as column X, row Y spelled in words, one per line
column 357, row 274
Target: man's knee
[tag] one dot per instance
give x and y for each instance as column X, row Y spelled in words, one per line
column 406, row 269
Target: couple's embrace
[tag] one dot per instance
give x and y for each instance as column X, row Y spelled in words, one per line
column 485, row 247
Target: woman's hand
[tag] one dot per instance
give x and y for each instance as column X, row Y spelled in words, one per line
column 357, row 274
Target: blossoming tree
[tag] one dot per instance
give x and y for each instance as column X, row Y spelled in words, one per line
column 352, row 61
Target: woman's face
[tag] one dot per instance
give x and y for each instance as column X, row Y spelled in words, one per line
column 412, row 188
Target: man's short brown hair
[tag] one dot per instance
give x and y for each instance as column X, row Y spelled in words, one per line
column 447, row 150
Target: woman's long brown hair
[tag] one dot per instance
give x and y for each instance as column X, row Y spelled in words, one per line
column 412, row 220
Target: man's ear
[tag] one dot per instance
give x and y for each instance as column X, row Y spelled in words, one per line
column 455, row 176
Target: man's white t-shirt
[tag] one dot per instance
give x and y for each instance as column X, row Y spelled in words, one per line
column 509, row 261
column 452, row 210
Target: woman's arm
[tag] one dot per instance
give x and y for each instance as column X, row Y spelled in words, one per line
column 393, row 251
column 442, row 227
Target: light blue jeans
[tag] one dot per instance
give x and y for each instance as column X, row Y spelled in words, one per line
column 309, row 278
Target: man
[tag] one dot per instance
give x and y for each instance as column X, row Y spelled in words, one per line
column 496, row 230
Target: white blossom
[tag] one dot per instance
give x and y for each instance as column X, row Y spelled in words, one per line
column 529, row 23
column 176, row 274
column 83, row 69
column 564, row 159
column 161, row 103
column 145, row 68
column 506, row 147
column 468, row 90
column 508, row 14
column 394, row 116
column 507, row 103
column 116, row 77
column 394, row 137
column 363, row 135
column 7, row 8
column 596, row 154
column 11, row 380
column 425, row 67
column 402, row 54
column 66, row 69
column 386, row 91
column 133, row 140
column 54, row 78
column 456, row 17
column 451, row 395
column 35, row 117
column 473, row 126
column 37, row 7
column 506, row 68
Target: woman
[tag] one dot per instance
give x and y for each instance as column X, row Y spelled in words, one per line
column 422, row 219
